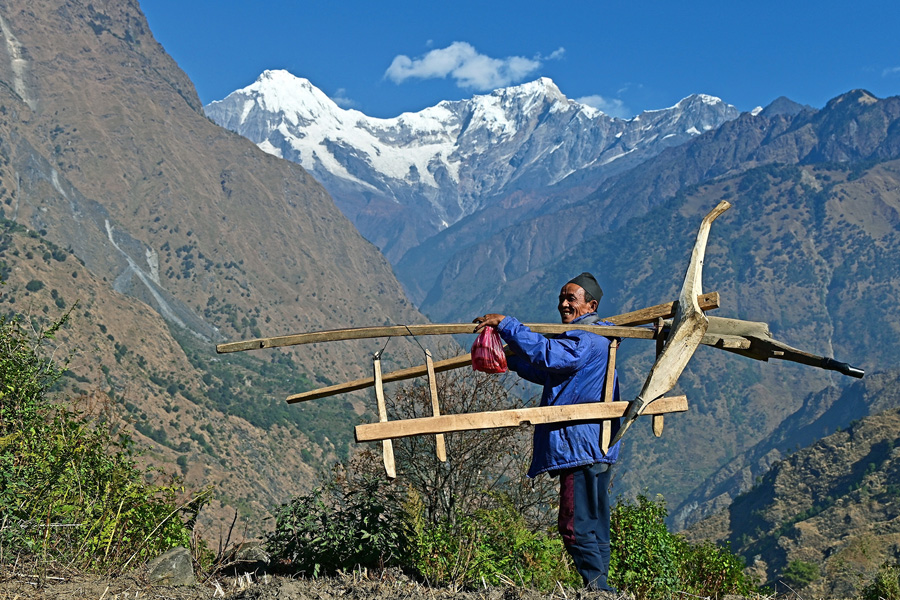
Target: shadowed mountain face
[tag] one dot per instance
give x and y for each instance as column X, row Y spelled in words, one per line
column 107, row 156
column 832, row 505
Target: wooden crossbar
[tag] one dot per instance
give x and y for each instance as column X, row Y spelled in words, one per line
column 591, row 411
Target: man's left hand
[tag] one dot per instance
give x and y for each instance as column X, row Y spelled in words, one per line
column 488, row 320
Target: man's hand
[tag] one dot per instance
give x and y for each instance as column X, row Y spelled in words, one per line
column 489, row 320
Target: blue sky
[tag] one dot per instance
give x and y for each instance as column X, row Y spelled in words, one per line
column 389, row 57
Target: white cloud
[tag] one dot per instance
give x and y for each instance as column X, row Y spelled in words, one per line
column 891, row 72
column 612, row 107
column 465, row 65
column 341, row 99
column 557, row 54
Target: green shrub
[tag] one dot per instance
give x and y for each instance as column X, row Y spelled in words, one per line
column 70, row 491
column 708, row 569
column 885, row 586
column 493, row 545
column 800, row 573
column 650, row 562
column 644, row 554
column 351, row 521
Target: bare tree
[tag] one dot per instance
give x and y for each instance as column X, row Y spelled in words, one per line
column 481, row 465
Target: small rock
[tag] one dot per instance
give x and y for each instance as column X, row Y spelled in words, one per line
column 174, row 567
column 252, row 553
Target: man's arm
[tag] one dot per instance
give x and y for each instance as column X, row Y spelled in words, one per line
column 517, row 364
column 560, row 355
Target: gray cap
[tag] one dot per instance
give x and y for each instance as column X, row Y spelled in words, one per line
column 589, row 284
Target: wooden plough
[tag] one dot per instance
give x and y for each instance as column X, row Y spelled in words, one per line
column 676, row 342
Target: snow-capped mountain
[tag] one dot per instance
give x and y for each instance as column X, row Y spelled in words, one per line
column 402, row 180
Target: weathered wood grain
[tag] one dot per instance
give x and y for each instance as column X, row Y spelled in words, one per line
column 387, row 447
column 591, row 411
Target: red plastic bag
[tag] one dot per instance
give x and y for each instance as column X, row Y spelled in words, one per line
column 487, row 352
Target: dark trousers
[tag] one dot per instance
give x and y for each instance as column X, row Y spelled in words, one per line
column 584, row 521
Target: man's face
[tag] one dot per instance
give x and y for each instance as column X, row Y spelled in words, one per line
column 571, row 303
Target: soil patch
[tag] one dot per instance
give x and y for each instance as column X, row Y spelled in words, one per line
column 266, row 587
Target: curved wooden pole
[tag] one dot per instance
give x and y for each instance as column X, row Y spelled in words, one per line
column 638, row 317
column 688, row 328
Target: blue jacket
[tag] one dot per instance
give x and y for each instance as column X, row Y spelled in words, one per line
column 572, row 369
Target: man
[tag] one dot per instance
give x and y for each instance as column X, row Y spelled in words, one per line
column 572, row 368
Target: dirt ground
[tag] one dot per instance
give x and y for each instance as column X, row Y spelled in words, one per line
column 267, row 587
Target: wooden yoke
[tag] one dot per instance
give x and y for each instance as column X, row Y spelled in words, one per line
column 387, row 447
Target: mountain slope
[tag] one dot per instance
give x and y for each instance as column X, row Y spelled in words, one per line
column 402, row 180
column 821, row 413
column 833, row 505
column 106, row 153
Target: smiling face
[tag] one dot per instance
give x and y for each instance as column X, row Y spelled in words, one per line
column 572, row 303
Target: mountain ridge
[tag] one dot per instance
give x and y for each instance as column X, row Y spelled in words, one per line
column 451, row 160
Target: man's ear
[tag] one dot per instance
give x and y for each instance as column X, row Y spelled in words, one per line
column 594, row 304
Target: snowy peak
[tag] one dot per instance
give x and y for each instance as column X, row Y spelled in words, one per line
column 453, row 159
column 279, row 91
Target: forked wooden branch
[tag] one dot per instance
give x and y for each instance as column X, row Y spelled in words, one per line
column 688, row 328
column 589, row 411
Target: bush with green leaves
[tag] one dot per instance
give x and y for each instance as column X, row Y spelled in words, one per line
column 354, row 519
column 885, row 585
column 799, row 573
column 492, row 545
column 70, row 491
column 650, row 562
column 645, row 555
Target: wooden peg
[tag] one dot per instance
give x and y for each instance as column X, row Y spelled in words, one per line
column 608, row 390
column 659, row 421
column 439, row 446
column 387, row 447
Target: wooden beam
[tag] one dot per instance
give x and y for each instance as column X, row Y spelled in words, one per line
column 591, row 411
column 608, row 393
column 412, row 372
column 708, row 301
